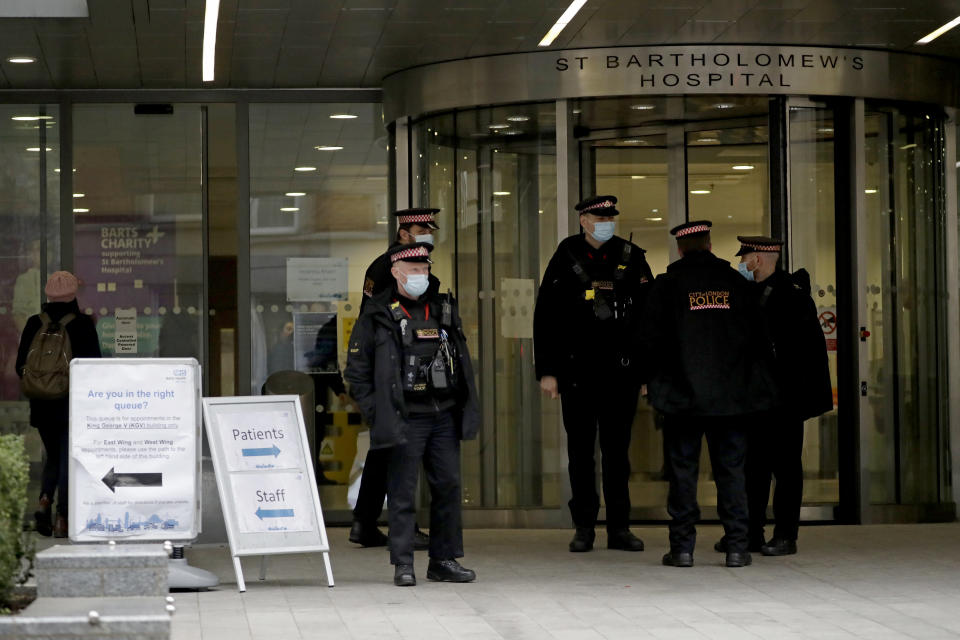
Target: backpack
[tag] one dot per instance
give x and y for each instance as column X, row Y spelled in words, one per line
column 46, row 374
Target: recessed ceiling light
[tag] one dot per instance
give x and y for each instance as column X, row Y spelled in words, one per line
column 518, row 118
column 327, row 147
column 638, row 177
column 871, row 191
column 381, row 222
column 933, row 35
column 511, row 132
column 653, row 219
column 21, row 59
column 630, row 141
column 742, row 167
column 210, row 15
column 699, row 192
column 912, row 145
column 79, row 195
column 38, row 149
column 654, row 210
column 708, row 139
column 343, row 116
column 562, row 22
column 289, row 208
column 643, row 107
column 304, row 168
column 58, row 170
column 576, row 111
column 498, row 126
column 824, row 129
column 30, row 118
column 81, row 210
column 501, row 193
column 295, row 194
column 724, row 105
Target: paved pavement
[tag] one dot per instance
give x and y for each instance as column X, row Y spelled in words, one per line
column 877, row 582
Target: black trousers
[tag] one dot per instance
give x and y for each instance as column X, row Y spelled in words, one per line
column 774, row 448
column 432, row 441
column 373, row 486
column 727, row 443
column 56, row 443
column 608, row 411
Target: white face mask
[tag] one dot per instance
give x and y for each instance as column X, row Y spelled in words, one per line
column 427, row 237
column 416, row 284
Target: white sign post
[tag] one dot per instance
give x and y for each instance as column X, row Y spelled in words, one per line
column 265, row 477
column 134, row 449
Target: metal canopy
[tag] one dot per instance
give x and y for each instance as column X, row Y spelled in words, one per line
column 132, row 44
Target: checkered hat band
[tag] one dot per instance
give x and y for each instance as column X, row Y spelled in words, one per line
column 415, row 252
column 420, row 217
column 700, row 228
column 606, row 204
column 762, row 247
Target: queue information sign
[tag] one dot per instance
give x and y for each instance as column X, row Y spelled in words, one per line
column 134, row 449
column 265, row 477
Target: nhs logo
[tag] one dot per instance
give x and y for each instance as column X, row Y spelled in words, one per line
column 180, row 373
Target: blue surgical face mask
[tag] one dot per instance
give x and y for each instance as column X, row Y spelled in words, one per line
column 746, row 273
column 427, row 237
column 603, row 231
column 416, row 284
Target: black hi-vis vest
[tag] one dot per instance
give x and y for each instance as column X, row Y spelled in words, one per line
column 594, row 290
column 428, row 369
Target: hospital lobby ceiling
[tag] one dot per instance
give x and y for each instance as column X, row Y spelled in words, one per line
column 136, row 44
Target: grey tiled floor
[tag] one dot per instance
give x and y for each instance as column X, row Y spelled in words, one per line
column 892, row 581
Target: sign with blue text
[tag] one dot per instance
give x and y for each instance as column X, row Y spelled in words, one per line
column 265, row 477
column 134, row 449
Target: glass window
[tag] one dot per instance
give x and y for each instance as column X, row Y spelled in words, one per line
column 318, row 218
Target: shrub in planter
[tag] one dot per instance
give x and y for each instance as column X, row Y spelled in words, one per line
column 15, row 544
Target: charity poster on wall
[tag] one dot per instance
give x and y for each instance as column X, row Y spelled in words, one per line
column 134, row 449
column 316, row 279
column 315, row 341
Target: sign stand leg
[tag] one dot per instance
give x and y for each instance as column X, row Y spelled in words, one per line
column 326, row 563
column 239, row 571
column 263, row 567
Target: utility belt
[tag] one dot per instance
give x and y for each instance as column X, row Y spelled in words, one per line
column 603, row 293
column 429, row 355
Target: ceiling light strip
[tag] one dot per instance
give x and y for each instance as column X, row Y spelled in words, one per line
column 933, row 35
column 564, row 20
column 210, row 38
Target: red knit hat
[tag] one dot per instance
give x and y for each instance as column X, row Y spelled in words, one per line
column 61, row 287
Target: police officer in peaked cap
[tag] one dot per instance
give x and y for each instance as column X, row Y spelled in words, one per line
column 413, row 225
column 586, row 312
column 789, row 320
column 707, row 371
column 410, row 372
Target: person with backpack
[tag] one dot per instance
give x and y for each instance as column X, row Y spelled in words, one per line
column 50, row 340
column 788, row 317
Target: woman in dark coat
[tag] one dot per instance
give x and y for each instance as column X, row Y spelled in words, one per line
column 52, row 417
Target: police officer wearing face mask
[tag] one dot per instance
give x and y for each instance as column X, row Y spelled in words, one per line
column 586, row 313
column 708, row 371
column 410, row 373
column 775, row 443
column 413, row 225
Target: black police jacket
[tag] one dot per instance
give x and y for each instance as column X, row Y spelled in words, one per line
column 701, row 346
column 378, row 277
column 374, row 371
column 570, row 342
column 801, row 369
column 84, row 343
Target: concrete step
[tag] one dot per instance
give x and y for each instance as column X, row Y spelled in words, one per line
column 89, row 571
column 100, row 618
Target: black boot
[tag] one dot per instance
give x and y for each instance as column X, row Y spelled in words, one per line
column 678, row 559
column 449, row 571
column 623, row 539
column 779, row 547
column 403, row 575
column 367, row 535
column 582, row 540
column 738, row 559
column 44, row 516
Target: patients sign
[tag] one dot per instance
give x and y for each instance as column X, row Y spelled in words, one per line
column 134, row 431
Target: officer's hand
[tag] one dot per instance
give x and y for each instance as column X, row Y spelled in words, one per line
column 548, row 384
column 643, row 390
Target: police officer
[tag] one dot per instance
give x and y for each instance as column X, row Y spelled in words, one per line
column 413, row 225
column 586, row 312
column 802, row 374
column 410, row 373
column 707, row 370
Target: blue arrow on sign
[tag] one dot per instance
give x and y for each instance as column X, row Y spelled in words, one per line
column 269, row 451
column 274, row 513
